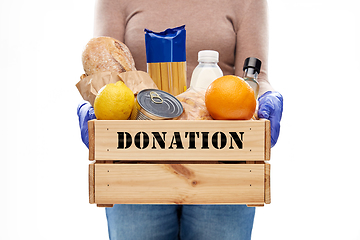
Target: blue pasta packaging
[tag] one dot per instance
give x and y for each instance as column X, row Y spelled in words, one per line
column 166, row 58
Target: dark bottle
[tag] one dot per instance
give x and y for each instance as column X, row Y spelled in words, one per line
column 251, row 69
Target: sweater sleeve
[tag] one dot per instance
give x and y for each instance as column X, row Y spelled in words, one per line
column 252, row 40
column 110, row 19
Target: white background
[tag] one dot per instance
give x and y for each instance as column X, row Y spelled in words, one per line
column 314, row 62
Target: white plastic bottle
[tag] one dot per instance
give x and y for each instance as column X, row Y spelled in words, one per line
column 206, row 71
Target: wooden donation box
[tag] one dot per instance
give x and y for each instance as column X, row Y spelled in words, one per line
column 179, row 162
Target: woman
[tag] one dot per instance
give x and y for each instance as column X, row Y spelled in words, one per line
column 237, row 29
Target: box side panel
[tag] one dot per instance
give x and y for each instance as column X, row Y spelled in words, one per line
column 267, row 184
column 91, row 131
column 179, row 184
column 180, row 140
column 267, row 139
column 92, row 183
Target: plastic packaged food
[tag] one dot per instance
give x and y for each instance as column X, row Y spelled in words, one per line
column 193, row 103
column 166, row 59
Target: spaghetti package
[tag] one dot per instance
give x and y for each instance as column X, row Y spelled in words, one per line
column 166, row 59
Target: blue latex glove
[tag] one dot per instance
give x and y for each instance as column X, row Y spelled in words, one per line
column 85, row 113
column 271, row 108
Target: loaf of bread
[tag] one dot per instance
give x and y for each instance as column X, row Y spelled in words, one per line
column 106, row 54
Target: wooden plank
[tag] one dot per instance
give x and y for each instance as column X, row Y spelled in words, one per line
column 255, row 205
column 180, row 140
column 179, row 184
column 105, row 205
column 267, row 139
column 92, row 183
column 267, row 184
column 91, row 131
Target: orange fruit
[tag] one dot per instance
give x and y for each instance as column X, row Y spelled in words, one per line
column 230, row 98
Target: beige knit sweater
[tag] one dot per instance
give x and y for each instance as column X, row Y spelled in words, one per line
column 237, row 29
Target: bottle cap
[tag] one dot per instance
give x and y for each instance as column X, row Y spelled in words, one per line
column 208, row 56
column 252, row 62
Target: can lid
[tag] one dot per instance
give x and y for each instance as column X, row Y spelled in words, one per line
column 252, row 62
column 161, row 104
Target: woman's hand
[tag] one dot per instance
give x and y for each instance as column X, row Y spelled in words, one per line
column 85, row 113
column 271, row 108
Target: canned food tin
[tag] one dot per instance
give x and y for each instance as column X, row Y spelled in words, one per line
column 154, row 104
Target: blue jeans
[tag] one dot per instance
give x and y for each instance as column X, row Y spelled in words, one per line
column 185, row 222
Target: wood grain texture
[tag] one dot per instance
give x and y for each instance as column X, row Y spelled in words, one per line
column 267, row 139
column 255, row 205
column 254, row 147
column 267, row 184
column 105, row 205
column 91, row 131
column 179, row 184
column 92, row 183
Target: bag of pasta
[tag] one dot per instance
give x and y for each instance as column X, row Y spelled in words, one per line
column 166, row 58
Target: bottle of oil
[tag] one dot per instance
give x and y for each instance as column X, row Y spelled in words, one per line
column 206, row 71
column 251, row 69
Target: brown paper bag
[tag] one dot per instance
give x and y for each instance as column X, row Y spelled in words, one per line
column 137, row 81
column 89, row 86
